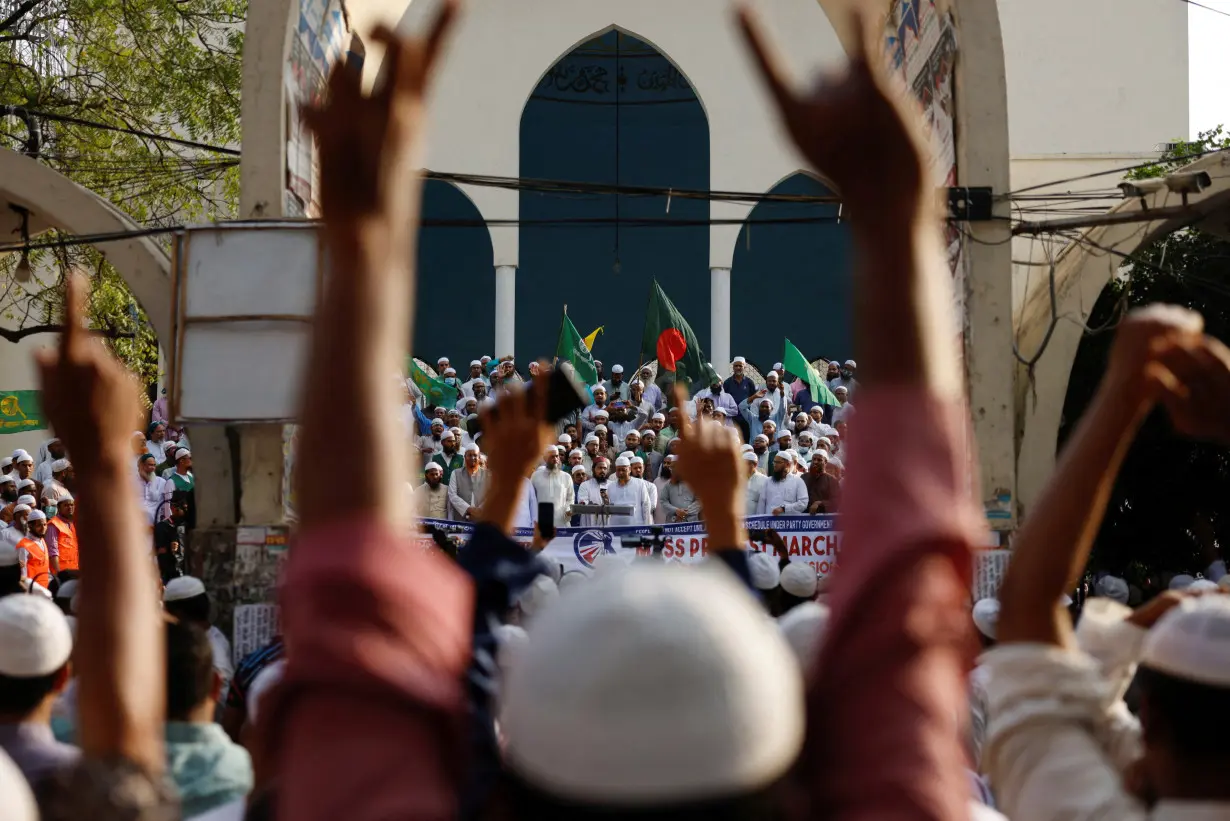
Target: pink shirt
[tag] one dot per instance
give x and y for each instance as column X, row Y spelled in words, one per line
column 368, row 723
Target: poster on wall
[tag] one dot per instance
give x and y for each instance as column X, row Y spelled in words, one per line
column 290, row 446
column 317, row 44
column 21, row 411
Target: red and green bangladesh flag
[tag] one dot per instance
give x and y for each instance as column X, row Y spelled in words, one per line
column 669, row 339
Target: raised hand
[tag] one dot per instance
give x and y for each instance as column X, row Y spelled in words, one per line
column 515, row 434
column 1199, row 406
column 1147, row 351
column 710, row 461
column 858, row 112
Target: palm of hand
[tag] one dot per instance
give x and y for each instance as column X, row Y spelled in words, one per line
column 709, row 461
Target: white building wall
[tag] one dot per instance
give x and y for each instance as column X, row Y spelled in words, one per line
column 18, row 373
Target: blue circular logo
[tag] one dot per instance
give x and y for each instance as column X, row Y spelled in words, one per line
column 588, row 545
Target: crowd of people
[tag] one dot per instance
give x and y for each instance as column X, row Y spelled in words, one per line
column 621, row 448
column 485, row 684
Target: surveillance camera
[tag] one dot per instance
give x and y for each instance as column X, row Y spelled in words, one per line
column 1189, row 182
column 1141, row 188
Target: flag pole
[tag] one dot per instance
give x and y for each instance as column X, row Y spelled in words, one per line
column 555, row 360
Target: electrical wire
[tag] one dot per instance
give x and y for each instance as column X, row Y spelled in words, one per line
column 1107, row 172
column 64, row 118
column 1206, row 8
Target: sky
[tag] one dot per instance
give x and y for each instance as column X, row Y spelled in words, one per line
column 1208, row 65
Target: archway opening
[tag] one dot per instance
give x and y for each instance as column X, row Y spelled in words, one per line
column 791, row 277
column 455, row 308
column 614, row 112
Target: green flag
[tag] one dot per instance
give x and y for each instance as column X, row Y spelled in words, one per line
column 436, row 390
column 794, row 361
column 571, row 348
column 669, row 339
column 21, row 411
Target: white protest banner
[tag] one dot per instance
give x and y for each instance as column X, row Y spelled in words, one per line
column 989, row 569
column 812, row 539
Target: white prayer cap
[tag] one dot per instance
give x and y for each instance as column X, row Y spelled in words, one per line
column 34, row 637
column 623, row 462
column 659, row 417
column 59, row 465
column 6, row 477
column 760, row 437
column 578, row 468
column 21, row 507
column 738, row 360
column 25, row 483
column 617, row 369
column 627, row 454
column 448, row 435
column 20, row 456
column 824, row 440
column 784, row 433
column 777, row 366
column 1181, row 582
column 6, row 461
column 601, row 414
column 841, row 389
column 8, row 555
column 67, row 590
column 37, row 516
column 565, row 439
column 437, row 422
column 671, row 458
column 835, row 462
column 484, row 359
column 442, row 359
column 433, row 466
column 590, row 437
column 750, row 456
column 799, row 579
column 822, row 455
column 986, row 617
column 745, row 448
column 791, row 454
column 18, row 800
column 452, row 412
column 850, row 363
column 818, row 409
column 764, row 571
column 614, row 701
column 450, row 371
column 599, row 428
column 637, row 460
column 648, row 433
column 801, row 417
column 806, row 434
column 1191, row 641
column 183, row 587
column 1203, row 585
column 541, row 593
column 25, row 499
column 597, row 388
column 474, row 362
column 575, row 452
column 181, row 453
column 633, row 432
column 803, row 628
column 471, row 448
column 261, row 684
column 1112, row 587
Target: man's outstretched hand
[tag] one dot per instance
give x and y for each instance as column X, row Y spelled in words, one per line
column 515, row 434
column 711, row 463
column 858, row 126
column 90, row 399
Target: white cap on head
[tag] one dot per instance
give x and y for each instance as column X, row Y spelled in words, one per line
column 738, row 360
column 1203, row 586
column 19, row 802
column 183, row 587
column 637, row 460
column 7, row 461
column 750, row 456
column 437, row 423
column 841, row 389
column 34, row 637
column 777, row 366
column 648, row 433
column 24, row 483
column 760, row 437
column 564, row 439
column 576, row 452
column 21, row 507
column 1112, row 587
column 471, row 448
column 7, row 477
column 617, row 369
column 599, row 428
column 803, row 628
column 784, row 433
column 799, row 579
column 20, row 456
column 1181, row 582
column 601, row 414
column 633, row 432
column 1191, row 642
column 764, row 571
column 541, row 593
column 671, row 458
column 59, row 465
column 448, row 436
column 442, row 359
column 590, row 437
column 67, row 590
column 181, row 453
column 475, row 362
column 745, row 448
column 614, row 701
column 37, row 516
column 986, row 617
column 577, row 469
column 450, row 371
column 623, row 462
column 432, row 467
column 597, row 388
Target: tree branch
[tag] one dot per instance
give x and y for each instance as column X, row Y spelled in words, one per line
column 22, row 333
column 18, row 13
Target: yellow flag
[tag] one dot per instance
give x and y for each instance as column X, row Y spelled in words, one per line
column 589, row 340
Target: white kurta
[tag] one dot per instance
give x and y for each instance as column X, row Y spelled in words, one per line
column 554, row 487
column 790, row 493
column 755, row 486
column 525, row 514
column 635, row 494
column 224, row 665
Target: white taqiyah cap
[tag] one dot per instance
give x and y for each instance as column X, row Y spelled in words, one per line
column 21, row 507
column 627, row 454
column 34, row 637
column 599, row 428
column 20, row 456
column 474, row 362
column 183, row 587
column 841, row 389
column 565, row 439
column 538, row 596
column 661, row 417
column 803, row 628
column 6, row 477
column 738, row 360
column 617, row 369
column 750, row 456
column 764, row 571
column 1203, row 586
column 1181, row 582
column 18, row 800
column 760, row 437
column 1190, row 642
column 7, row 461
column 597, row 388
column 590, row 437
column 59, row 465
column 448, row 436
column 37, row 516
column 432, row 466
column 636, row 460
column 25, row 483
column 437, row 423
column 578, row 469
column 181, row 453
column 615, row 703
column 67, row 590
column 1112, row 587
column 471, row 448
column 801, row 417
column 450, row 371
column 799, row 579
column 262, row 684
column 986, row 617
column 633, row 432
column 601, row 414
column 777, row 366
column 623, row 462
column 648, row 433
column 784, row 433
column 575, row 452
column 670, row 457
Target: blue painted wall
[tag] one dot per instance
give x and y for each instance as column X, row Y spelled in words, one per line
column 455, row 310
column 791, row 280
column 612, row 111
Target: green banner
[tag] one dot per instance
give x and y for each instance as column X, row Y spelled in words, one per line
column 570, row 347
column 21, row 411
column 436, row 390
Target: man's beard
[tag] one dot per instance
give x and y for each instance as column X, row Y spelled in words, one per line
column 779, row 474
column 552, row 468
column 433, row 484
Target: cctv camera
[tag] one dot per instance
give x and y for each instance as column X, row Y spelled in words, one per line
column 1189, row 182
column 1141, row 188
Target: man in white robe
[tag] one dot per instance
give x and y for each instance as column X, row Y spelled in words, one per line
column 552, row 484
column 784, row 494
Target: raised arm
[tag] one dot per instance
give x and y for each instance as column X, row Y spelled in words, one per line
column 386, row 651
column 1052, row 547
column 893, row 657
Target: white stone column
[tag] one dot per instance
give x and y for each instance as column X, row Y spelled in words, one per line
column 505, row 310
column 719, row 318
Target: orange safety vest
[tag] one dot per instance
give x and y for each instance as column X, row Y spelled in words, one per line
column 38, row 566
column 66, row 543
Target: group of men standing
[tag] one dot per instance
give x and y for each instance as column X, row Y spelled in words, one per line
column 38, row 533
